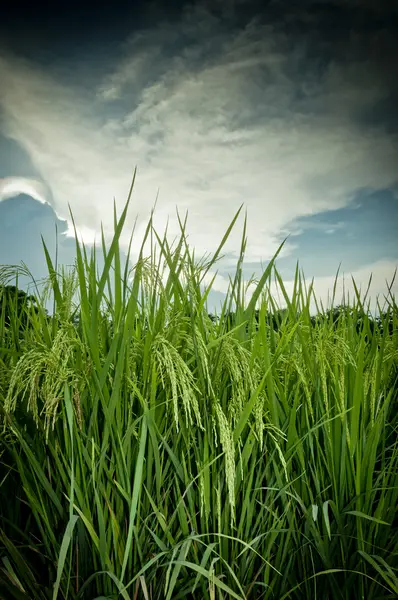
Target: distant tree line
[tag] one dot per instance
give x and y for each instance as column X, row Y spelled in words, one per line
column 333, row 315
column 16, row 306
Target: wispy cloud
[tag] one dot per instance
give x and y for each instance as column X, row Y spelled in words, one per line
column 12, row 186
column 213, row 117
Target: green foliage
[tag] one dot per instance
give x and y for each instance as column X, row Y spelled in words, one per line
column 151, row 450
column 15, row 307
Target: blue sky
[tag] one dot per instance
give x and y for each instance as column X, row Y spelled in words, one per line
column 290, row 111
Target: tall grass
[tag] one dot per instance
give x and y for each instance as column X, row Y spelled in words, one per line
column 149, row 451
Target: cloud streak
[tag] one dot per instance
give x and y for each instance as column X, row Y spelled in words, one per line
column 13, row 186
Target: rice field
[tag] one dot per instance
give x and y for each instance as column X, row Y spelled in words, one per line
column 151, row 450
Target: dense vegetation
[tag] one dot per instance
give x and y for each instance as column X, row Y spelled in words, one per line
column 151, row 450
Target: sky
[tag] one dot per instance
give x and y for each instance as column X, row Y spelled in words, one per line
column 288, row 108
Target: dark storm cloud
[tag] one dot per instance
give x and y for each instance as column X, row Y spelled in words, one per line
column 330, row 34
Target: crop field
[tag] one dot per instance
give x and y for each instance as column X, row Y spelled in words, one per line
column 151, row 450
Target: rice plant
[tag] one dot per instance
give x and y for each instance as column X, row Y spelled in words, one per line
column 152, row 450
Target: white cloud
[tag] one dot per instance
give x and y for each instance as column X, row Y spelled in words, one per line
column 382, row 273
column 211, row 127
column 13, row 186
